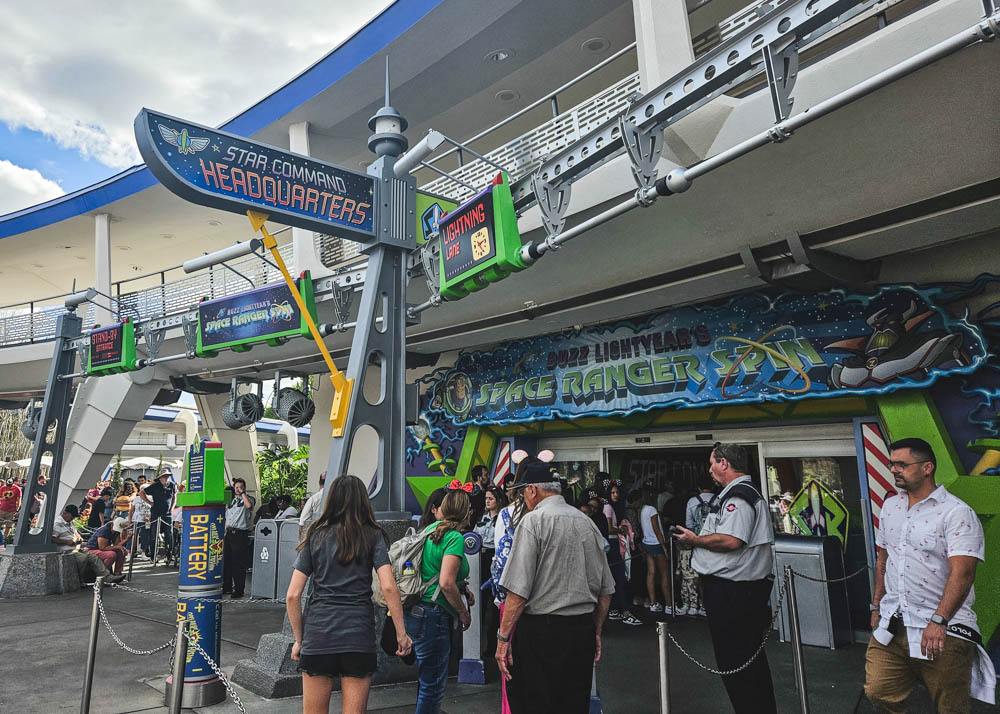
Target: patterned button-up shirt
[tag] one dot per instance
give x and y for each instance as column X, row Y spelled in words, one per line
column 919, row 540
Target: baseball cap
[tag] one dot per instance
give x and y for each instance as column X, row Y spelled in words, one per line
column 540, row 472
column 118, row 525
column 165, row 472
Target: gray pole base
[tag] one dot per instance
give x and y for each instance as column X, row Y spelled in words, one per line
column 196, row 694
column 37, row 574
column 272, row 673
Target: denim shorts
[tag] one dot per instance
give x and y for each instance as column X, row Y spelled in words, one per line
column 653, row 550
column 339, row 664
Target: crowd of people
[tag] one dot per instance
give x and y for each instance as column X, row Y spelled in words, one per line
column 560, row 562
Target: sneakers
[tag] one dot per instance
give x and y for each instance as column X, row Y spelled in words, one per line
column 656, row 607
column 667, row 610
column 631, row 619
column 700, row 612
column 683, row 611
column 614, row 615
column 637, row 601
column 114, row 579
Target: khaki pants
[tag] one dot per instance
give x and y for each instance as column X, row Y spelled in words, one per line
column 890, row 674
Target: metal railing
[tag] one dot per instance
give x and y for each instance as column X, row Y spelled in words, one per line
column 29, row 322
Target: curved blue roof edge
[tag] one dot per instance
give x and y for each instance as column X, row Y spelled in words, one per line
column 381, row 30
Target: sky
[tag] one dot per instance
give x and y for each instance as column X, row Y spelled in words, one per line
column 73, row 75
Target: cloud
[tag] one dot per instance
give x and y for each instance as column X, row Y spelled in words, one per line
column 21, row 187
column 79, row 72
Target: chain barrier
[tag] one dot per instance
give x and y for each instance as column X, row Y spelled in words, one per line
column 782, row 590
column 860, row 570
column 193, row 641
column 117, row 639
column 173, row 597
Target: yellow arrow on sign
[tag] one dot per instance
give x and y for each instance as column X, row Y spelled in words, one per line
column 342, row 387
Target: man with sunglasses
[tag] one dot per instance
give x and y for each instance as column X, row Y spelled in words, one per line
column 929, row 544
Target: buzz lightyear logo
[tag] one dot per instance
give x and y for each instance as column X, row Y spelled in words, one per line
column 458, row 395
column 817, row 511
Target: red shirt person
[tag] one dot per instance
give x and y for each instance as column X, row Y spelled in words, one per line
column 10, row 500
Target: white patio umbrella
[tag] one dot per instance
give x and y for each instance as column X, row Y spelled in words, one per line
column 25, row 463
column 141, row 462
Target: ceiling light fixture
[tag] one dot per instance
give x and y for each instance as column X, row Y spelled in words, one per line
column 214, row 223
column 595, row 45
column 507, row 95
column 500, row 55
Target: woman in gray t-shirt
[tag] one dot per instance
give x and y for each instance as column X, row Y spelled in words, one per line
column 335, row 636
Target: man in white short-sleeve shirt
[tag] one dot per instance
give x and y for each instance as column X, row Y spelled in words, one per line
column 929, row 544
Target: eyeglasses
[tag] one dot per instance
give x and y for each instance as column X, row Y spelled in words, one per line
column 902, row 464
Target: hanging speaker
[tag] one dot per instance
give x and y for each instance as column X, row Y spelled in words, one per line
column 294, row 407
column 248, row 408
column 29, row 427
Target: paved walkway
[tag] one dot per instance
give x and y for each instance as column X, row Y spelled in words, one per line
column 44, row 644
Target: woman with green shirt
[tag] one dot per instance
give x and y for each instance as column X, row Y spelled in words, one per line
column 429, row 623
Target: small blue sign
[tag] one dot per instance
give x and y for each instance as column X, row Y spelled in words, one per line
column 220, row 170
column 196, row 467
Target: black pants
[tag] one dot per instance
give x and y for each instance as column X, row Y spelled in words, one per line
column 235, row 561
column 553, row 663
column 738, row 617
column 620, row 600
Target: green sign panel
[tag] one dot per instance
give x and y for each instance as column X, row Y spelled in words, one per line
column 817, row 511
column 479, row 242
column 112, row 350
column 206, row 481
column 266, row 314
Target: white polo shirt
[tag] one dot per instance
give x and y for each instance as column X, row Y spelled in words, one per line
column 919, row 540
column 64, row 531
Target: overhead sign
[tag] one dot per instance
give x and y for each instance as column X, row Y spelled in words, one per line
column 228, row 172
column 267, row 314
column 755, row 347
column 112, row 349
column 479, row 242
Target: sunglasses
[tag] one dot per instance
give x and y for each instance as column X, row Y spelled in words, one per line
column 903, row 464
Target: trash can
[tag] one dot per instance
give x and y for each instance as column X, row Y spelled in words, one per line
column 824, row 614
column 288, row 539
column 265, row 559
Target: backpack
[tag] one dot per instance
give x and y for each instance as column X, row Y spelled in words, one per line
column 408, row 549
column 701, row 512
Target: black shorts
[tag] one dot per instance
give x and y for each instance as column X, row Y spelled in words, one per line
column 340, row 664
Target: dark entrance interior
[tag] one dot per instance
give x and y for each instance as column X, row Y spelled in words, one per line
column 678, row 466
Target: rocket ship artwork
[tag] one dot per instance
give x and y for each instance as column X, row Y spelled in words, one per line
column 817, row 511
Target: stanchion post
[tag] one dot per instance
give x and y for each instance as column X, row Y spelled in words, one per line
column 661, row 634
column 131, row 555
column 177, row 671
column 95, row 625
column 156, row 542
column 793, row 617
column 670, row 579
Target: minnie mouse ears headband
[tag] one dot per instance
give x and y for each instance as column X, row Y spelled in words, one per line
column 520, row 455
column 457, row 485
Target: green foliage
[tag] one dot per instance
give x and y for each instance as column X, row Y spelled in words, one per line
column 283, row 471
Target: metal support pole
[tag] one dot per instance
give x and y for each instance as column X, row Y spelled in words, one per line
column 797, row 660
column 131, row 558
column 670, row 579
column 177, row 671
column 661, row 634
column 95, row 624
column 156, row 541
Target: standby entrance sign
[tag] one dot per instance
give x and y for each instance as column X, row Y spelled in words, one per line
column 227, row 172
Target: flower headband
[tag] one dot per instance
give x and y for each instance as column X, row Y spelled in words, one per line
column 457, row 485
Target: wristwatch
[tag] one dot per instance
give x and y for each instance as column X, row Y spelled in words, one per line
column 502, row 638
column 938, row 620
column 874, row 607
